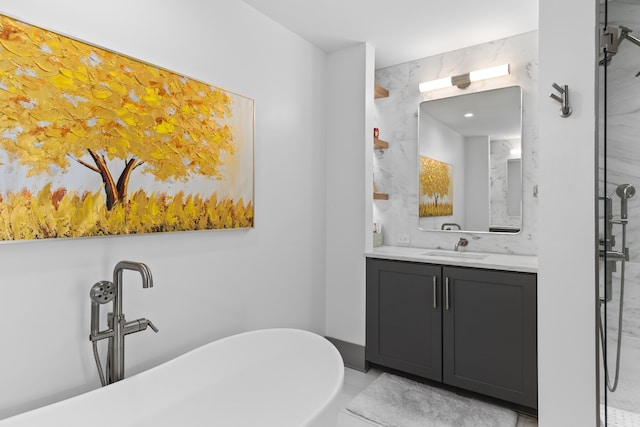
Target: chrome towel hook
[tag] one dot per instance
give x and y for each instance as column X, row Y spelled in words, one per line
column 563, row 99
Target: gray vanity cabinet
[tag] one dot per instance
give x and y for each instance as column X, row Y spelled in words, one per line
column 470, row 328
column 404, row 320
column 489, row 333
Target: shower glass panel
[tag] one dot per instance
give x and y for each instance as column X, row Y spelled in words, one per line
column 619, row 214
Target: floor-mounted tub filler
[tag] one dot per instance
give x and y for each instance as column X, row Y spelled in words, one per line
column 266, row 378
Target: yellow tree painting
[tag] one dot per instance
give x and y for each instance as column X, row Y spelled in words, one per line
column 97, row 143
column 436, row 188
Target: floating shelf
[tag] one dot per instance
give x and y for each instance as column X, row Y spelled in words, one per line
column 380, row 196
column 379, row 144
column 380, row 92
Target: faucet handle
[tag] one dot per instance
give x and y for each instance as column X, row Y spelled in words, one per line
column 152, row 326
column 138, row 325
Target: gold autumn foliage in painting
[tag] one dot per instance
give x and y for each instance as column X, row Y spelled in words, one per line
column 48, row 214
column 64, row 102
column 435, row 183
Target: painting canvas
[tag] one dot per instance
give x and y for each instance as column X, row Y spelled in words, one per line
column 436, row 188
column 97, row 143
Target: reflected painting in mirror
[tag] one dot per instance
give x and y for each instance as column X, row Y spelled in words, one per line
column 436, row 188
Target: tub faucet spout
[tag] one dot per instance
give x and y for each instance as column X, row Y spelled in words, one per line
column 147, row 279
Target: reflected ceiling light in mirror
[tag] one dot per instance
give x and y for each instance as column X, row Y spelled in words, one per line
column 464, row 80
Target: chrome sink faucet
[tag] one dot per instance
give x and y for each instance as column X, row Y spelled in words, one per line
column 461, row 242
column 103, row 292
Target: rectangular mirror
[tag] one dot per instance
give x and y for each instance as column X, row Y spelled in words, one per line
column 470, row 168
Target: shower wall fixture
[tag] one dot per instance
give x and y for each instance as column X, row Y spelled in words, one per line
column 611, row 257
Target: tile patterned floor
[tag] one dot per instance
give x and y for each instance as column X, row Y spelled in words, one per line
column 355, row 382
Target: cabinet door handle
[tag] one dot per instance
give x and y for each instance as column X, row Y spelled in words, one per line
column 435, row 292
column 446, row 294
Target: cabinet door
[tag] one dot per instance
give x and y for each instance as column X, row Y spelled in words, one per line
column 404, row 321
column 489, row 333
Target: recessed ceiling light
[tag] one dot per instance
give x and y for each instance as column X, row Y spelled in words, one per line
column 468, row 115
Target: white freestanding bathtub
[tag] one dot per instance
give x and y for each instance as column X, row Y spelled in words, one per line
column 265, row 378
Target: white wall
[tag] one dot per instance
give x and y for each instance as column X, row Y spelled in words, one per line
column 349, row 189
column 207, row 284
column 567, row 255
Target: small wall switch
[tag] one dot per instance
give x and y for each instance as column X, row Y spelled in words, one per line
column 403, row 239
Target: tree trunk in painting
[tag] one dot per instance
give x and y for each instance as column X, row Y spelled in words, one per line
column 115, row 192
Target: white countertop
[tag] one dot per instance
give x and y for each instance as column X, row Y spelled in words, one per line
column 508, row 262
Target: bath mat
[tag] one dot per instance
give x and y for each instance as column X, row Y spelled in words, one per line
column 393, row 401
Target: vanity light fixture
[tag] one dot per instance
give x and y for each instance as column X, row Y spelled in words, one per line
column 464, row 80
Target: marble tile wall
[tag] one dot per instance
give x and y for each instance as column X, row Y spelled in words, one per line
column 396, row 170
column 622, row 158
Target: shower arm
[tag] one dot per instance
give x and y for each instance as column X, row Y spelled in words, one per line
column 632, row 39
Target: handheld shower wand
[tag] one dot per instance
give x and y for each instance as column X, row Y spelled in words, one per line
column 625, row 192
column 101, row 293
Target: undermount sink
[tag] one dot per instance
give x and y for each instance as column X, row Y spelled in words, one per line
column 452, row 254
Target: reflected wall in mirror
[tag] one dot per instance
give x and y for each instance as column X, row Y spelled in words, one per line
column 479, row 137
